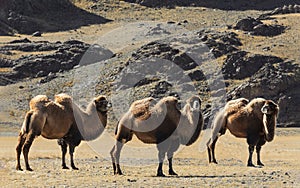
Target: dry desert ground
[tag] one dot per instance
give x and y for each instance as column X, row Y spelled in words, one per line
column 281, row 158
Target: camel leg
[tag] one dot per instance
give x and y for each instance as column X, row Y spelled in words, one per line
column 161, row 156
column 116, row 155
column 174, row 146
column 113, row 158
column 162, row 150
column 258, row 148
column 64, row 147
column 28, row 142
column 21, row 141
column 171, row 171
column 71, row 152
column 209, row 154
column 212, row 148
column 251, row 149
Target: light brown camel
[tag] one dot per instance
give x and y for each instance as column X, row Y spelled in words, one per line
column 61, row 119
column 162, row 124
column 255, row 121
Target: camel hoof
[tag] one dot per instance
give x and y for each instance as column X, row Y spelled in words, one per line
column 260, row 164
column 160, row 174
column 250, row 165
column 215, row 162
column 172, row 173
column 29, row 169
column 19, row 169
column 118, row 173
column 75, row 168
column 65, row 167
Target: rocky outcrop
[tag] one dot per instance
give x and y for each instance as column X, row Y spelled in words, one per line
column 286, row 9
column 256, row 27
column 19, row 16
column 220, row 43
column 241, row 64
column 147, row 65
column 51, row 58
column 279, row 83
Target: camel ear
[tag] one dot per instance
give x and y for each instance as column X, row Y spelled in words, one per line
column 269, row 107
column 196, row 105
column 264, row 110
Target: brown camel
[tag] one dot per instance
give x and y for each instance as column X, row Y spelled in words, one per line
column 254, row 120
column 160, row 123
column 61, row 119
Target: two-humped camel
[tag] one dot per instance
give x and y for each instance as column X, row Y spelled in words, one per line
column 254, row 120
column 61, row 119
column 161, row 123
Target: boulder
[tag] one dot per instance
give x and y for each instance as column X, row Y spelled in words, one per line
column 220, row 43
column 256, row 27
column 241, row 64
column 247, row 24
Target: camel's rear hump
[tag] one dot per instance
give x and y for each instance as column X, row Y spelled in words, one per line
column 141, row 108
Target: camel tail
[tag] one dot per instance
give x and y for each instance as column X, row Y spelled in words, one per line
column 26, row 124
column 218, row 123
column 116, row 129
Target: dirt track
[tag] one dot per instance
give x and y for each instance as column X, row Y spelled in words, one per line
column 281, row 158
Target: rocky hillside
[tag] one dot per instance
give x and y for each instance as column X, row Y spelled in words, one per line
column 252, row 57
column 18, row 16
column 218, row 4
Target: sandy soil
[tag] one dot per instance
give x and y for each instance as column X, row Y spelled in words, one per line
column 282, row 167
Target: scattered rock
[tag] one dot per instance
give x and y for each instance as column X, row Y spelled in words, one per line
column 247, row 24
column 240, row 65
column 37, row 34
column 5, row 63
column 171, row 22
column 25, row 40
column 286, row 9
column 145, row 81
column 256, row 27
column 131, row 180
column 220, row 43
column 268, row 30
column 48, row 78
column 161, row 89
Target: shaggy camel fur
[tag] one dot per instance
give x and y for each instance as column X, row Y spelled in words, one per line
column 61, row 119
column 160, row 123
column 254, row 120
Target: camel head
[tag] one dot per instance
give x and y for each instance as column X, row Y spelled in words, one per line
column 102, row 104
column 191, row 121
column 270, row 112
column 194, row 103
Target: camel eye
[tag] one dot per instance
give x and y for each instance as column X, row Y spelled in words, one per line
column 272, row 105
